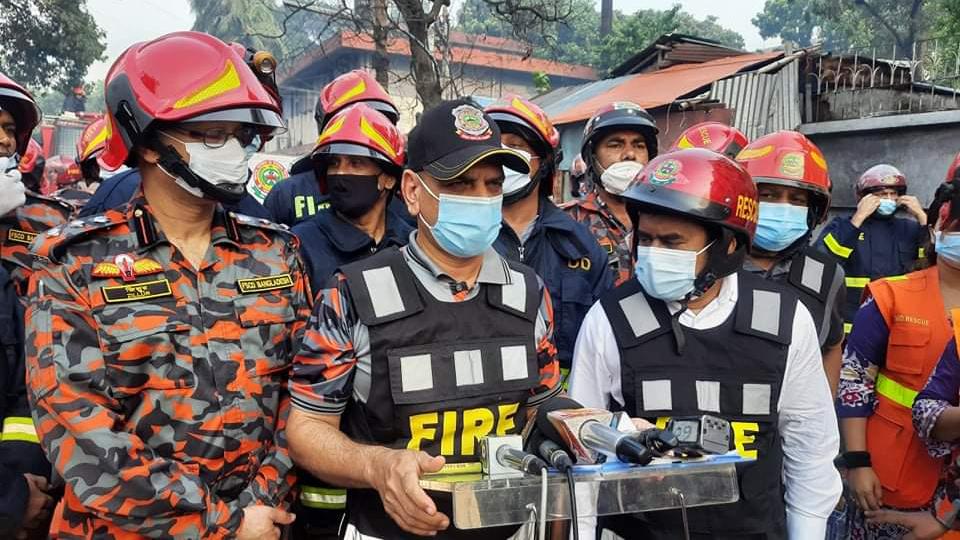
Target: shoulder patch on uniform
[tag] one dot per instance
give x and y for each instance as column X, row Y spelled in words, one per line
column 261, row 223
column 264, row 283
column 51, row 242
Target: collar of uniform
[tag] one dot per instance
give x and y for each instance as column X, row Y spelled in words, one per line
column 149, row 234
column 344, row 236
column 494, row 269
column 780, row 266
column 714, row 313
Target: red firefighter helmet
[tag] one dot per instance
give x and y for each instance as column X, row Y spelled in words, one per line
column 32, row 159
column 706, row 187
column 515, row 114
column 92, row 141
column 700, row 184
column 353, row 87
column 788, row 158
column 360, row 130
column 60, row 172
column 716, row 136
column 620, row 115
column 21, row 105
column 180, row 77
column 880, row 177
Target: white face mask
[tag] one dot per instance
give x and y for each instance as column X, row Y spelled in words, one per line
column 619, row 176
column 12, row 190
column 8, row 162
column 514, row 181
column 218, row 166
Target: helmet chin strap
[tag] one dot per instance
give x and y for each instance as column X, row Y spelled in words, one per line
column 172, row 162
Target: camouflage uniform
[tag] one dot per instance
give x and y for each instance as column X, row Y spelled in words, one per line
column 158, row 390
column 19, row 228
column 614, row 237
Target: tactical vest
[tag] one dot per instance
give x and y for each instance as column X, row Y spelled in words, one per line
column 734, row 371
column 811, row 276
column 443, row 374
column 914, row 312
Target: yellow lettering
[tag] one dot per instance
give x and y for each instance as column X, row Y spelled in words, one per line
column 744, row 433
column 449, row 433
column 662, row 421
column 505, row 425
column 477, row 423
column 421, row 430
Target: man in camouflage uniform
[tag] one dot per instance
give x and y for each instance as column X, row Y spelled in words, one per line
column 24, row 471
column 160, row 335
column 39, row 213
column 617, row 142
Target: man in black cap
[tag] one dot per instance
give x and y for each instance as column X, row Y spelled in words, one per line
column 416, row 353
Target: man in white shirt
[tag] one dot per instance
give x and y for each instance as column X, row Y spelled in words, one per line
column 693, row 335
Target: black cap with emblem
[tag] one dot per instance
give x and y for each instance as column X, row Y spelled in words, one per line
column 454, row 136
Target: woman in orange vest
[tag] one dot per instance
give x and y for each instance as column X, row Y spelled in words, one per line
column 898, row 336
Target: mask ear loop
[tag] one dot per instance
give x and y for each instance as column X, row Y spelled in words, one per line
column 704, row 283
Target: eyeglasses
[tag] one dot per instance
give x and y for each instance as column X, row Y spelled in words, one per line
column 217, row 137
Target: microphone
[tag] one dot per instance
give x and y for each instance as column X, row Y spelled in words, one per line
column 604, row 439
column 557, row 457
column 520, row 460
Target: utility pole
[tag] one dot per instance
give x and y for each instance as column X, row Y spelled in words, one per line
column 606, row 17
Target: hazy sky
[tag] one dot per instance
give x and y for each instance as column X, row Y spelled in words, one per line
column 129, row 21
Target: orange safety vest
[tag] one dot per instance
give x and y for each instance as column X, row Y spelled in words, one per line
column 913, row 309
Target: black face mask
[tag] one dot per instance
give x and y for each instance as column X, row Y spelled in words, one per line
column 353, row 194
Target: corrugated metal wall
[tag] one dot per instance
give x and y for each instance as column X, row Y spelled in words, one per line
column 762, row 102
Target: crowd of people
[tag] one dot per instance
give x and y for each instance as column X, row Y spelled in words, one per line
column 182, row 361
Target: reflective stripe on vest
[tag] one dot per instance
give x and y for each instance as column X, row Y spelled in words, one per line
column 895, row 392
column 836, row 248
column 847, row 327
column 19, row 428
column 857, row 282
column 323, row 498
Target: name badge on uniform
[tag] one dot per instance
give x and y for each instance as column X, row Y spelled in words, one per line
column 266, row 283
column 134, row 292
column 20, row 237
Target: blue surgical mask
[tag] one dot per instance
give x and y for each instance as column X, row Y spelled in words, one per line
column 948, row 246
column 466, row 226
column 887, row 207
column 667, row 274
column 779, row 226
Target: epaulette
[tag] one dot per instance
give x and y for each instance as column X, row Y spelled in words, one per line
column 58, row 201
column 262, row 223
column 50, row 244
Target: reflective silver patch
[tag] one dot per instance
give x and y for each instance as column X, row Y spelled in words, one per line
column 756, row 399
column 812, row 277
column 657, row 395
column 514, row 362
column 383, row 290
column 415, row 373
column 515, row 292
column 708, row 396
column 639, row 315
column 766, row 312
column 469, row 367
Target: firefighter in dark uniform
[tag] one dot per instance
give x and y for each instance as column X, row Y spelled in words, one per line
column 24, row 471
column 617, row 142
column 300, row 196
column 794, row 189
column 359, row 160
column 693, row 334
column 537, row 233
column 413, row 354
column 874, row 242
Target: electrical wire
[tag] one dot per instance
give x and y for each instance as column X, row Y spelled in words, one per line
column 573, row 505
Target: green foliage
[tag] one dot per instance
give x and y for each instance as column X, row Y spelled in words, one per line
column 48, row 44
column 259, row 24
column 541, row 81
column 577, row 41
column 849, row 24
